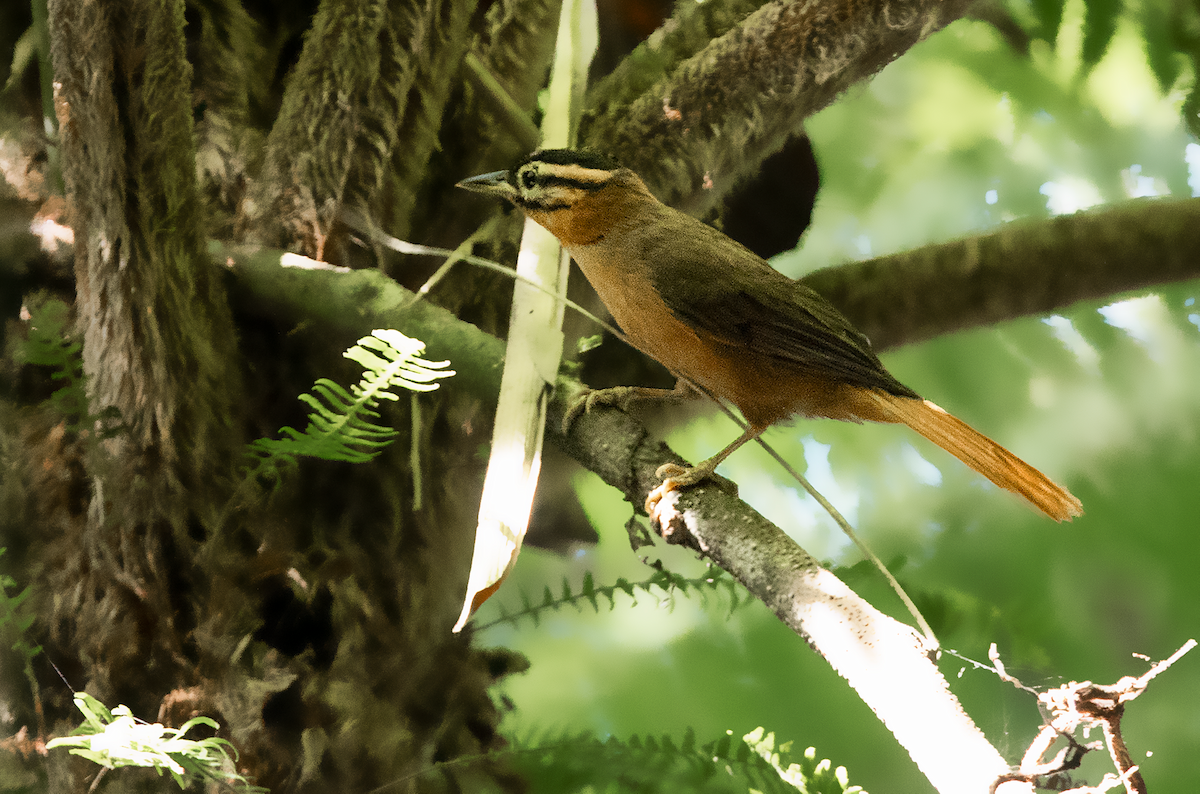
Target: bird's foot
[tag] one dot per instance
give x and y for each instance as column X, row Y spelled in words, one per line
column 675, row 478
column 618, row 397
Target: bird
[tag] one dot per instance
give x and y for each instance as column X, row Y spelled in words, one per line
column 721, row 318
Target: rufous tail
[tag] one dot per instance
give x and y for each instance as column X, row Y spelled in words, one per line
column 980, row 453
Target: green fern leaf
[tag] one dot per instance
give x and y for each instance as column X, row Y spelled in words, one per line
column 667, row 584
column 48, row 345
column 650, row 764
column 340, row 425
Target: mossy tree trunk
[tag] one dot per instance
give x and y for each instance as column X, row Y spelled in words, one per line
column 313, row 622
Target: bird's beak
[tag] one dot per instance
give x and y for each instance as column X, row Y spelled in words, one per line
column 494, row 184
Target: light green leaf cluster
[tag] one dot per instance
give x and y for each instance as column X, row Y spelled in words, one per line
column 650, row 764
column 808, row 775
column 115, row 739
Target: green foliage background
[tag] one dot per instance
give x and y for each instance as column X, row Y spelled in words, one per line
column 1104, row 398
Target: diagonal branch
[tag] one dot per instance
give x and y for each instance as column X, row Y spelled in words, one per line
column 881, row 658
column 710, row 122
column 1143, row 243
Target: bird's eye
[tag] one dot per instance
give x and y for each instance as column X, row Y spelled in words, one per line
column 528, row 179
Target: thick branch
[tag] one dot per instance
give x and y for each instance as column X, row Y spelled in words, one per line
column 353, row 302
column 695, row 133
column 1022, row 268
column 882, row 659
column 391, row 68
column 692, row 27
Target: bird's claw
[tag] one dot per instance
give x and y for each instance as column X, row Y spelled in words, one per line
column 616, row 396
column 660, row 508
column 675, row 478
column 681, row 476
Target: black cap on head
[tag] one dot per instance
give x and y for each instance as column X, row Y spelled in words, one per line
column 583, row 157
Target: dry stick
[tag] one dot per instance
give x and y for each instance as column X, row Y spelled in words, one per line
column 453, row 257
column 524, row 130
column 1085, row 703
column 414, row 450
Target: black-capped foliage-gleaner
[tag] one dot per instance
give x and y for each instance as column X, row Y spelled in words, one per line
column 718, row 315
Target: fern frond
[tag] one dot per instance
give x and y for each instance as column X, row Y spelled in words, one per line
column 115, row 739
column 807, row 774
column 15, row 620
column 650, row 764
column 401, row 364
column 340, row 426
column 49, row 345
column 662, row 584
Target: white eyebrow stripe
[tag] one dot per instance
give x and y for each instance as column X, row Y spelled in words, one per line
column 574, row 174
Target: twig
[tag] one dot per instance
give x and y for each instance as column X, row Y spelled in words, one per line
column 1084, row 705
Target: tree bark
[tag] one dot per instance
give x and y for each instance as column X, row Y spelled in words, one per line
column 158, row 344
column 717, row 115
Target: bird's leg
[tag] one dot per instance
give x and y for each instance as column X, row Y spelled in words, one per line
column 676, row 476
column 620, row 397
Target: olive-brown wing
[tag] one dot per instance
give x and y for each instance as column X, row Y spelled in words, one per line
column 728, row 292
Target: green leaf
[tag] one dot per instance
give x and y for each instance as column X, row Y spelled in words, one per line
column 1099, row 26
column 1049, row 14
column 1161, row 30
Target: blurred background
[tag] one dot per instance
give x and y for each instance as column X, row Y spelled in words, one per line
column 962, row 134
